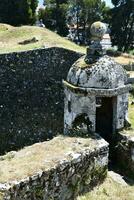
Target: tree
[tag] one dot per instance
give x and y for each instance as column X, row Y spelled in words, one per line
column 54, row 15
column 85, row 12
column 33, row 6
column 122, row 24
column 47, row 16
column 16, row 12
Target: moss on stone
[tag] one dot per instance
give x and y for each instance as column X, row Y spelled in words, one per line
column 39, row 192
column 82, row 64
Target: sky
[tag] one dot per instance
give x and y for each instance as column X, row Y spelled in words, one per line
column 108, row 2
column 41, row 2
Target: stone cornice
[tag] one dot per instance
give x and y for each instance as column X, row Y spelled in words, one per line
column 98, row 91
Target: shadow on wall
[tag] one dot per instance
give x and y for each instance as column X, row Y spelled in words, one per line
column 32, row 97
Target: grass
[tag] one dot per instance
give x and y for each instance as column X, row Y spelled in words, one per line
column 40, row 156
column 124, row 60
column 1, row 196
column 131, row 117
column 110, row 190
column 131, row 73
column 11, row 36
column 131, row 52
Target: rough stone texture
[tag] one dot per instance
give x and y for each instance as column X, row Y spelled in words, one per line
column 96, row 49
column 31, row 95
column 80, row 170
column 125, row 153
column 98, row 29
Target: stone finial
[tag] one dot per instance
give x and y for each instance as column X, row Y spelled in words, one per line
column 98, row 29
column 95, row 49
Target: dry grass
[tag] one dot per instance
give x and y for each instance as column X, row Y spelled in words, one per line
column 131, row 117
column 1, row 196
column 10, row 37
column 123, row 60
column 131, row 73
column 110, row 190
column 5, row 27
column 40, row 156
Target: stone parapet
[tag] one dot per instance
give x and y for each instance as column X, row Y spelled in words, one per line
column 78, row 165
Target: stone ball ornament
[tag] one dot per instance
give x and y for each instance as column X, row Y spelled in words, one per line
column 98, row 29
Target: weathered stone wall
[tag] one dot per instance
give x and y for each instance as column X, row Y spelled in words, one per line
column 77, row 173
column 75, row 106
column 122, row 111
column 31, row 95
column 125, row 153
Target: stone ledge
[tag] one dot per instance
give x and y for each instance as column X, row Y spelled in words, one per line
column 97, row 91
column 80, row 164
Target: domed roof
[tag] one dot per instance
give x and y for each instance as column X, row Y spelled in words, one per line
column 103, row 74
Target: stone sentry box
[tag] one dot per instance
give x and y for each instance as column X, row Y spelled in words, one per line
column 96, row 92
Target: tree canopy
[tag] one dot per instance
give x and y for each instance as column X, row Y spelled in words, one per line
column 122, row 24
column 17, row 12
column 84, row 12
column 59, row 13
column 54, row 15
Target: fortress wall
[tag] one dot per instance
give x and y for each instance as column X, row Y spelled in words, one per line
column 31, row 95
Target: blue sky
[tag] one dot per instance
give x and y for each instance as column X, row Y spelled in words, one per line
column 108, row 2
column 40, row 2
